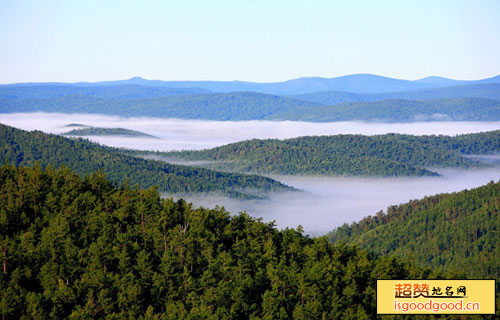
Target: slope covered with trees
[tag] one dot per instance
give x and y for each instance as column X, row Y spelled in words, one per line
column 383, row 155
column 73, row 247
column 257, row 106
column 218, row 106
column 399, row 110
column 25, row 148
column 457, row 231
column 94, row 131
column 124, row 91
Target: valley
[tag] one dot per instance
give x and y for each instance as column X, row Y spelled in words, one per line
column 325, row 202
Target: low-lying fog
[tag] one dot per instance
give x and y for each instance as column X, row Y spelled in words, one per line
column 177, row 134
column 331, row 202
column 326, row 202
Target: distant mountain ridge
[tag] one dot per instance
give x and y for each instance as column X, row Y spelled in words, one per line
column 480, row 90
column 361, row 97
column 355, row 83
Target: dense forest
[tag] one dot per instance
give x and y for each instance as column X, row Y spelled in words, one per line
column 258, row 106
column 217, row 106
column 20, row 147
column 58, row 90
column 73, row 247
column 457, row 231
column 350, row 155
column 94, row 131
column 399, row 110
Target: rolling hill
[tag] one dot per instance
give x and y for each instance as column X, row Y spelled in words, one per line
column 257, row 106
column 218, row 106
column 20, row 147
column 349, row 155
column 355, row 97
column 453, row 109
column 483, row 90
column 130, row 91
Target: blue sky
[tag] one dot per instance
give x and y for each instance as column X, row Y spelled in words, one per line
column 255, row 40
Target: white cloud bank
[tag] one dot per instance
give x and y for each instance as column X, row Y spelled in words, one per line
column 178, row 134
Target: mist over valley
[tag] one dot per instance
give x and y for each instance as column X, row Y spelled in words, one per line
column 182, row 134
column 328, row 202
column 324, row 203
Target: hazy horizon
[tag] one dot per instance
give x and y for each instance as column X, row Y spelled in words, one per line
column 184, row 134
column 138, row 76
column 187, row 134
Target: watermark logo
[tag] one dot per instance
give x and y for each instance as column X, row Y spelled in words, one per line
column 436, row 296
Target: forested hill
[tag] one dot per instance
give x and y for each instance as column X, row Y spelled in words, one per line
column 95, row 131
column 257, row 106
column 58, row 90
column 350, row 155
column 458, row 231
column 217, row 106
column 25, row 148
column 399, row 110
column 73, row 248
